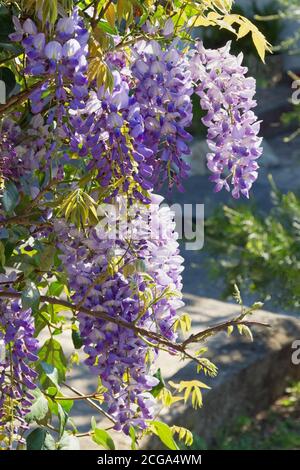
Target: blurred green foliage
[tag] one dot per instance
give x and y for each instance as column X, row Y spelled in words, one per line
column 260, row 252
column 276, row 429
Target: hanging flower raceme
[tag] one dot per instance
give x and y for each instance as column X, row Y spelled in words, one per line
column 31, row 148
column 163, row 92
column 18, row 349
column 9, row 134
column 227, row 96
column 110, row 128
column 133, row 275
column 64, row 58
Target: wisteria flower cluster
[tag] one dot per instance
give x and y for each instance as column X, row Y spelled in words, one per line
column 111, row 129
column 9, row 136
column 64, row 57
column 35, row 148
column 227, row 95
column 105, row 277
column 98, row 120
column 163, row 91
column 18, row 349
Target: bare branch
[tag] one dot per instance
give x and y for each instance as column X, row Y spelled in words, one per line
column 90, row 402
column 156, row 337
column 20, row 97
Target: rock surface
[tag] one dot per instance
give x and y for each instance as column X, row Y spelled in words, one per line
column 251, row 375
column 242, row 386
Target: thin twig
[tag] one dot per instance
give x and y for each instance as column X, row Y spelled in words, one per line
column 161, row 340
column 220, row 327
column 77, row 397
column 20, row 97
column 90, row 402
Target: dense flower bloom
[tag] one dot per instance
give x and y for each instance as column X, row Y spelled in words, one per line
column 34, row 147
column 111, row 129
column 64, row 58
column 163, row 92
column 17, row 351
column 9, row 135
column 227, row 95
column 133, row 278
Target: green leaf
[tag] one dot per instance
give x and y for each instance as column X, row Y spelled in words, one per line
column 50, row 372
column 10, row 197
column 133, row 438
column 164, row 432
column 40, row 439
column 68, row 442
column 77, row 340
column 52, row 391
column 155, row 390
column 245, row 331
column 67, row 405
column 103, row 439
column 40, row 323
column 6, row 25
column 63, row 419
column 2, row 254
column 45, row 258
column 56, row 288
column 237, row 295
column 230, row 330
column 52, row 354
column 39, row 409
column 31, row 297
column 256, row 306
column 93, row 423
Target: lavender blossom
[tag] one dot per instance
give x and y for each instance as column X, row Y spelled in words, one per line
column 110, row 128
column 64, row 58
column 18, row 349
column 163, row 92
column 227, row 95
column 137, row 281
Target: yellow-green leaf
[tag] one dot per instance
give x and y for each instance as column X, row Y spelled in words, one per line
column 110, row 15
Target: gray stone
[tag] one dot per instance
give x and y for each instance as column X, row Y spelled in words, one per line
column 269, row 158
column 251, row 375
column 197, row 159
column 248, row 5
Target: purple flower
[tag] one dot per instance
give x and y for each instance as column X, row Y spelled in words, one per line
column 163, row 92
column 116, row 353
column 18, row 349
column 227, row 96
column 64, row 58
column 110, row 128
column 53, row 50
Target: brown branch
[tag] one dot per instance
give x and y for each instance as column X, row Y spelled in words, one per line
column 17, row 219
column 156, row 337
column 221, row 327
column 20, row 97
column 77, row 397
column 90, row 402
